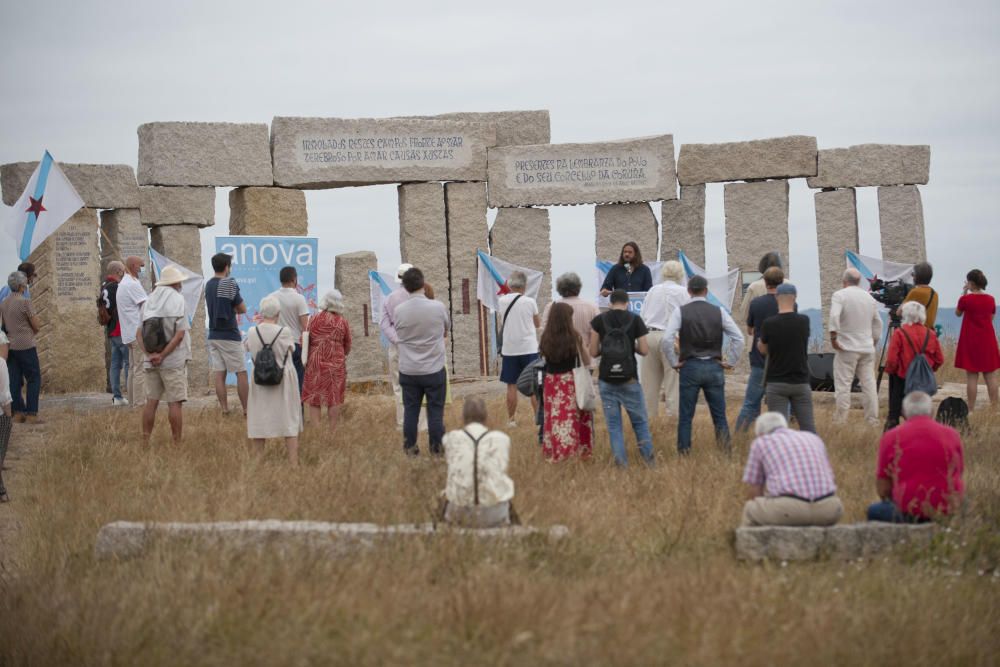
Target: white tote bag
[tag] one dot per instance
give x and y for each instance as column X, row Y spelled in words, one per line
column 586, row 398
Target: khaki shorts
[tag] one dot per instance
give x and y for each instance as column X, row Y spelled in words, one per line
column 226, row 355
column 166, row 384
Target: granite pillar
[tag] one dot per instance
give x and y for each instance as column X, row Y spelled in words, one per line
column 465, row 204
column 423, row 233
column 901, row 222
column 351, row 278
column 122, row 236
column 683, row 222
column 836, row 231
column 521, row 236
column 267, row 212
column 616, row 224
column 756, row 223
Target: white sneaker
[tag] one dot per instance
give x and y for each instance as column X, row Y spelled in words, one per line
column 119, row 401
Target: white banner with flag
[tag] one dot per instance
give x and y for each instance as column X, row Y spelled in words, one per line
column 380, row 286
column 191, row 288
column 721, row 289
column 492, row 280
column 47, row 202
column 871, row 267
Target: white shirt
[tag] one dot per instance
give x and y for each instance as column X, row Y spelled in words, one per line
column 519, row 335
column 495, row 486
column 854, row 315
column 5, row 396
column 293, row 305
column 661, row 302
column 131, row 296
column 167, row 303
column 728, row 327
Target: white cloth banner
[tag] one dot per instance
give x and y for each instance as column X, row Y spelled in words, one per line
column 47, row 202
column 380, row 286
column 191, row 288
column 492, row 280
column 721, row 289
column 872, row 267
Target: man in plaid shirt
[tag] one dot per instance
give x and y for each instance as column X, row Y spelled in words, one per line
column 788, row 477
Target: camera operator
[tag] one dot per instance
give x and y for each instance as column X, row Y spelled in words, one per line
column 923, row 293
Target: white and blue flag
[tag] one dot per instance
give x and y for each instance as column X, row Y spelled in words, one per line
column 47, row 202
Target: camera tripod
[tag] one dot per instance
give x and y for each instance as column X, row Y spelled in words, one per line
column 894, row 323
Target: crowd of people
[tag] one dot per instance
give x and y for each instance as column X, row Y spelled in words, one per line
column 680, row 346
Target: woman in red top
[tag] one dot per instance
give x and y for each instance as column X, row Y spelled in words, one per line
column 326, row 367
column 906, row 343
column 977, row 342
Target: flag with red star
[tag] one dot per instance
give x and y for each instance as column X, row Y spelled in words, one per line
column 492, row 279
column 48, row 200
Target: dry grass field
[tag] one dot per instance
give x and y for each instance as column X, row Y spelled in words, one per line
column 648, row 575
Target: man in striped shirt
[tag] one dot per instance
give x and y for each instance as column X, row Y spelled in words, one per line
column 788, row 477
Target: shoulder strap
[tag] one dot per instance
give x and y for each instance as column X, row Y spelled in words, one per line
column 507, row 312
column 475, row 463
column 275, row 336
column 933, row 296
column 927, row 338
column 908, row 340
column 257, row 329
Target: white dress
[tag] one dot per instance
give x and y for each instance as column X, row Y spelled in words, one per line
column 274, row 411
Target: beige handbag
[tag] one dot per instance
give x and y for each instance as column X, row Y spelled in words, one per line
column 586, row 397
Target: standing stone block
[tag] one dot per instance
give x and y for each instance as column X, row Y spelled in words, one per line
column 467, row 233
column 123, row 235
column 351, row 278
column 871, row 165
column 217, row 154
column 756, row 223
column 683, row 222
column 784, row 157
column 836, row 231
column 337, row 152
column 99, row 185
column 513, row 128
column 70, row 342
column 619, row 223
column 521, row 236
column 268, row 212
column 177, row 206
column 610, row 172
column 423, row 233
column 901, row 221
column 182, row 244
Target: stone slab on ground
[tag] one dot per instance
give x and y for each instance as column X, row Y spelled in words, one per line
column 177, row 206
column 350, row 276
column 465, row 204
column 123, row 235
column 182, row 244
column 683, row 225
column 609, row 172
column 836, row 231
column 513, row 128
column 782, row 157
column 216, row 154
column 70, row 343
column 423, row 233
column 99, row 185
column 127, row 539
column 901, row 224
column 521, row 236
column 618, row 223
column 868, row 165
column 339, row 152
column 756, row 223
column 841, row 542
column 268, row 212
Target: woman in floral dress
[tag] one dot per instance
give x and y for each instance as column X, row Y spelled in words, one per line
column 326, row 366
column 568, row 431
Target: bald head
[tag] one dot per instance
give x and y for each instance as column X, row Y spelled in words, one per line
column 852, row 277
column 133, row 264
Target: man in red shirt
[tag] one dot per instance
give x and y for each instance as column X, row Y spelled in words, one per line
column 119, row 351
column 919, row 467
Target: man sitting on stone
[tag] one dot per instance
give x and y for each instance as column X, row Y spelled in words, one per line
column 788, row 477
column 920, row 466
column 478, row 492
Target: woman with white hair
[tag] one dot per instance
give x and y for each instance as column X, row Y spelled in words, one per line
column 909, row 340
column 326, row 367
column 274, row 411
column 654, row 370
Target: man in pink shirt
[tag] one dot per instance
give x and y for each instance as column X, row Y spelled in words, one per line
column 919, row 467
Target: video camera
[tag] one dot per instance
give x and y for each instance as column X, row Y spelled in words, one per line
column 890, row 293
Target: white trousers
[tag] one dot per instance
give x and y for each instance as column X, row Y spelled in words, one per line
column 847, row 365
column 136, row 375
column 655, row 373
column 397, row 391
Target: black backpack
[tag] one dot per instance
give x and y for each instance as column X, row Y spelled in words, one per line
column 954, row 412
column 266, row 370
column 154, row 336
column 617, row 351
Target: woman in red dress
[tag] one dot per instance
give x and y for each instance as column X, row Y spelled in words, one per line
column 326, row 367
column 977, row 342
column 568, row 431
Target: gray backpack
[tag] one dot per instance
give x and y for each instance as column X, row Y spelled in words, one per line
column 919, row 375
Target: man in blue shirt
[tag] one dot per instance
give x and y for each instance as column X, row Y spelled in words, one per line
column 629, row 274
column 225, row 343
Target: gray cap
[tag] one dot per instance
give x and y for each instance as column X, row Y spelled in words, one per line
column 787, row 288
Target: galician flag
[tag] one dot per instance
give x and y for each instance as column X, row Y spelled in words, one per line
column 46, row 203
column 379, row 288
column 492, row 280
column 721, row 289
column 191, row 288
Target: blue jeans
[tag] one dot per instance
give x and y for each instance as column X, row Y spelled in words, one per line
column 119, row 362
column 751, row 402
column 300, row 369
column 887, row 512
column 705, row 375
column 614, row 397
column 415, row 388
column 23, row 367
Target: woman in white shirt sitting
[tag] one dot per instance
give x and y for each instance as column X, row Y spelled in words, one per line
column 478, row 492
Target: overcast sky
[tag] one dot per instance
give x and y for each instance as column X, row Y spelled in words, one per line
column 78, row 80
